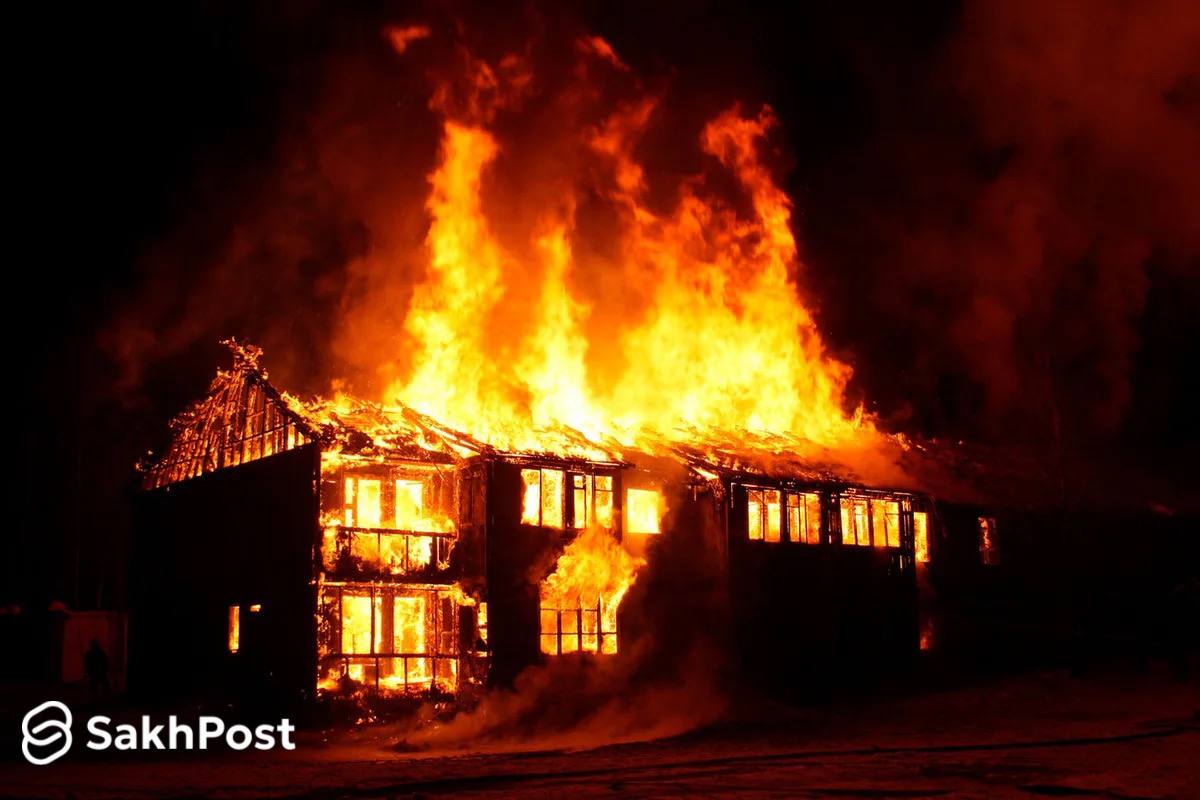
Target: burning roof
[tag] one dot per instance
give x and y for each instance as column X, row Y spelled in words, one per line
column 244, row 413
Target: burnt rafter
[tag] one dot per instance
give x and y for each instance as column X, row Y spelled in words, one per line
column 242, row 418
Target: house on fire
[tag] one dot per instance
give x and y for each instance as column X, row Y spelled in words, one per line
column 299, row 550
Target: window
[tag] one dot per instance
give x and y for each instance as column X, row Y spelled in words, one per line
column 364, row 506
column 408, row 637
column 763, row 515
column 804, row 517
column 590, row 628
column 867, row 521
column 604, row 501
column 389, row 638
column 643, row 512
column 581, row 495
column 989, row 551
column 591, row 501
column 234, row 630
column 542, row 498
column 856, row 526
column 410, row 505
column 359, row 633
column 885, row 523
column 921, row 535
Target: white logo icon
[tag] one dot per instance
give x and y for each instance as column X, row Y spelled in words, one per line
column 59, row 731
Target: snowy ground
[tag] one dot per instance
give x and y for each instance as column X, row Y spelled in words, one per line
column 1118, row 735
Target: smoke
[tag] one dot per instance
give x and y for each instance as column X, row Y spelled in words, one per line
column 1030, row 179
column 672, row 674
column 574, row 703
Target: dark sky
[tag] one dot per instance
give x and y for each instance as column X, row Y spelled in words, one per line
column 996, row 201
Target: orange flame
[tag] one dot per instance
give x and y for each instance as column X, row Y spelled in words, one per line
column 716, row 340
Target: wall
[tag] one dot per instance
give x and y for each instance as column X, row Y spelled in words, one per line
column 237, row 536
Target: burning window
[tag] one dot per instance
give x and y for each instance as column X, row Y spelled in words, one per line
column 591, row 500
column 856, row 526
column 377, row 553
column 410, row 505
column 921, row 535
column 643, row 511
column 390, row 523
column 870, row 521
column 360, row 634
column 763, row 514
column 989, row 551
column 590, row 628
column 390, row 638
column 581, row 494
column 604, row 501
column 234, row 630
column 364, row 502
column 885, row 523
column 542, row 498
column 579, row 599
column 804, row 517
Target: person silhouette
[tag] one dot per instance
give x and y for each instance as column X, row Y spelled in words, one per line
column 95, row 664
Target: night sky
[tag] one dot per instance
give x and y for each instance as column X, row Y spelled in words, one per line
column 996, row 204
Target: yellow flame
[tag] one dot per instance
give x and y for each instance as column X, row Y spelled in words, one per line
column 717, row 338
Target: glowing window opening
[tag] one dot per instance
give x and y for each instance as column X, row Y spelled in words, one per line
column 921, row 535
column 233, row 633
column 804, row 517
column 643, row 511
column 989, row 551
column 590, row 628
column 410, row 505
column 604, row 501
column 542, row 497
column 764, row 515
column 392, row 639
column 363, row 502
column 870, row 521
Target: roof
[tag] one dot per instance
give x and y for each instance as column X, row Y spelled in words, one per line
column 244, row 417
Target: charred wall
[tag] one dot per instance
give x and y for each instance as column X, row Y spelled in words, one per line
column 1063, row 587
column 677, row 616
column 240, row 536
column 518, row 557
column 806, row 616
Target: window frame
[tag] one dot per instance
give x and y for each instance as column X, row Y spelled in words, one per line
column 764, row 504
column 440, row 635
column 801, row 536
column 921, row 549
column 876, row 507
column 574, row 484
column 652, row 491
column 606, row 641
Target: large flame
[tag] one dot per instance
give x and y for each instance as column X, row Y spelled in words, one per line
column 716, row 338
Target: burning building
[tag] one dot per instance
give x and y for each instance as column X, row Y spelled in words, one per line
column 328, row 548
column 605, row 414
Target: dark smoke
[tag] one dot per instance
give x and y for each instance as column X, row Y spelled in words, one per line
column 994, row 248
